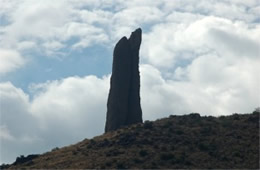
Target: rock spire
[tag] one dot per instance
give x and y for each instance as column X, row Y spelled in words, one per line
column 123, row 106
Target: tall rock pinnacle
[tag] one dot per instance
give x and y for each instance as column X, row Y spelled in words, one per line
column 123, row 106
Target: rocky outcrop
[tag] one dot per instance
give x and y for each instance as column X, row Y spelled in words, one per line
column 22, row 159
column 123, row 106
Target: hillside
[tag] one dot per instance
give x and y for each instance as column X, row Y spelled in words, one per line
column 188, row 141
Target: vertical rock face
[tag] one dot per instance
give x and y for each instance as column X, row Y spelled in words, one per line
column 123, row 106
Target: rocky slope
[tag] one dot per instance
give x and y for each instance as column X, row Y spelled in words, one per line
column 188, row 141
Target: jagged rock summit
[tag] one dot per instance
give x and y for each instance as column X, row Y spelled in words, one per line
column 123, row 106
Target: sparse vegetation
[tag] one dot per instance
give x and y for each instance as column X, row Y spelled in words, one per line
column 143, row 153
column 257, row 110
column 189, row 141
column 55, row 149
column 166, row 156
column 148, row 124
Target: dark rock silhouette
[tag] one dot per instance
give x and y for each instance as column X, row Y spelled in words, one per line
column 123, row 106
column 22, row 159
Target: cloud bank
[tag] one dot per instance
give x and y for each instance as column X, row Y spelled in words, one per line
column 69, row 110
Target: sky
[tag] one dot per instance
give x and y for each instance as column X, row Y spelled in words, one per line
column 56, row 61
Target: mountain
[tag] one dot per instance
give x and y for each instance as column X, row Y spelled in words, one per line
column 188, row 141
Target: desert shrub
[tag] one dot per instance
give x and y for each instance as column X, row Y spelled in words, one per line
column 187, row 162
column 23, row 159
column 168, row 124
column 223, row 158
column 138, row 161
column 153, row 166
column 147, row 133
column 155, row 146
column 145, row 141
column 143, row 153
column 194, row 115
column 222, row 117
column 108, row 164
column 55, row 149
column 166, row 156
column 148, row 124
column 172, row 116
column 172, row 148
column 254, row 118
column 19, row 159
column 108, row 154
column 226, row 122
column 104, row 143
column 113, row 152
column 236, row 116
column 210, row 118
column 170, row 130
column 92, row 141
column 179, row 132
column 236, row 154
column 203, row 147
column 206, row 131
column 164, row 148
column 179, row 159
column 120, row 165
column 4, row 166
column 257, row 110
column 91, row 144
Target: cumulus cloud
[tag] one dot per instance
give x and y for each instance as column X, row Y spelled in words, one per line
column 76, row 100
column 81, row 24
column 127, row 19
column 206, row 35
column 159, row 98
column 211, row 87
column 10, row 60
column 60, row 113
column 220, row 86
column 17, row 125
column 5, row 134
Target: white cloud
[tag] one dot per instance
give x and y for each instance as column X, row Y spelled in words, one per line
column 5, row 134
column 44, row 22
column 16, row 123
column 158, row 97
column 222, row 86
column 211, row 87
column 206, row 35
column 27, row 45
column 14, row 109
column 77, row 101
column 53, row 45
column 179, row 26
column 60, row 113
column 34, row 21
column 10, row 60
column 129, row 19
column 94, row 16
column 87, row 34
